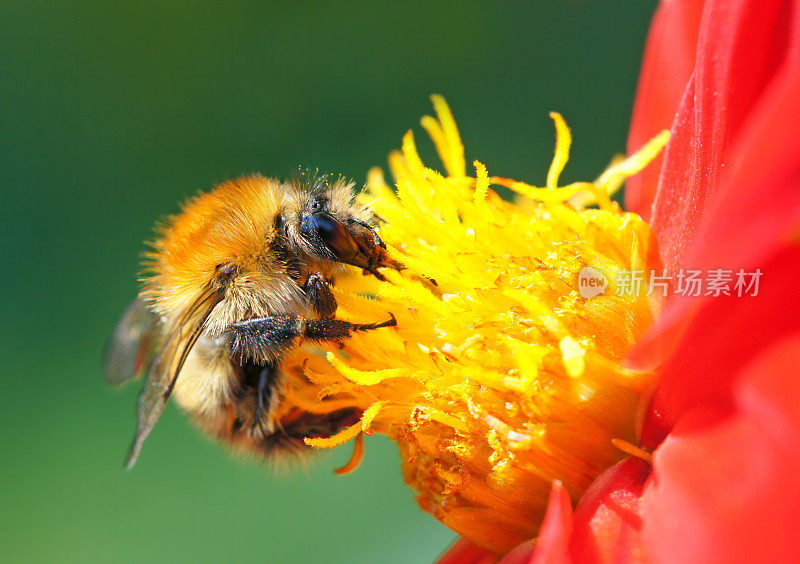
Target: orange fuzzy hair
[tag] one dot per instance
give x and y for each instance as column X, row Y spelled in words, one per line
column 234, row 225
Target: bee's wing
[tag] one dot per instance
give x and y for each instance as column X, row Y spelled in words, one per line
column 133, row 344
column 163, row 370
column 149, row 407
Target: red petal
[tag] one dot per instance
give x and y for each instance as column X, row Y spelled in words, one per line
column 725, row 485
column 741, row 43
column 668, row 63
column 758, row 203
column 607, row 520
column 723, row 336
column 552, row 544
column 464, row 551
column 522, row 554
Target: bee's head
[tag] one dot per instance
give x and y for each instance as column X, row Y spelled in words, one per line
column 329, row 226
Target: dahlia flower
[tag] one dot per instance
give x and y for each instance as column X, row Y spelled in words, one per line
column 723, row 420
column 548, row 421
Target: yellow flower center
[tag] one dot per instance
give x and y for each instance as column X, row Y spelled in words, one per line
column 504, row 372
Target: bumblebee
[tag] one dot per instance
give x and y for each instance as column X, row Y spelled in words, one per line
column 234, row 283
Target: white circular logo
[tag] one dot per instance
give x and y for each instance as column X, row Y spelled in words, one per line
column 591, row 282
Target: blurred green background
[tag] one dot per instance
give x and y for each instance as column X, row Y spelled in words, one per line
column 113, row 113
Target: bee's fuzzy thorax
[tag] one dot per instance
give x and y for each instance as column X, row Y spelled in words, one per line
column 228, row 224
column 235, row 225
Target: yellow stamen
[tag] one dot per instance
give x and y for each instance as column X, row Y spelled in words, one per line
column 481, row 181
column 619, row 171
column 633, row 450
column 563, row 142
column 446, row 138
column 536, row 193
column 349, row 432
column 355, row 459
column 335, row 440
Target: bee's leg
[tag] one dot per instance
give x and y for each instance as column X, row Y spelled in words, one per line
column 271, row 337
column 263, row 392
column 265, row 339
column 256, row 379
column 320, row 296
column 338, row 329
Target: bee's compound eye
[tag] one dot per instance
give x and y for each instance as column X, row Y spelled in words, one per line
column 323, row 228
column 325, row 225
